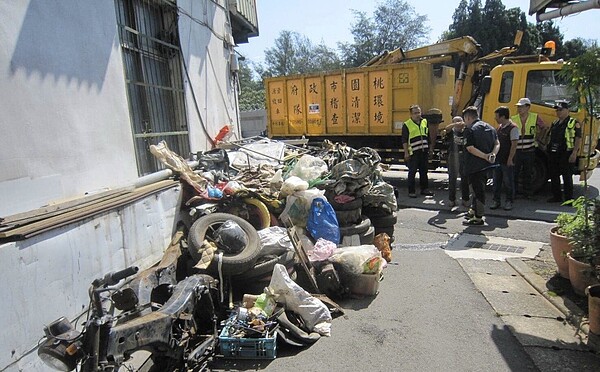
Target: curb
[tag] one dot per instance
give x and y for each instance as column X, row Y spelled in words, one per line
column 573, row 314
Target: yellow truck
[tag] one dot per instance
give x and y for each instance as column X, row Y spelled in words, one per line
column 367, row 106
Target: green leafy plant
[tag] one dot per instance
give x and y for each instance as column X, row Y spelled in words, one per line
column 584, row 231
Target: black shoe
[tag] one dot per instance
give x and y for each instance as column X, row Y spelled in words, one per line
column 474, row 221
column 554, row 200
column 426, row 193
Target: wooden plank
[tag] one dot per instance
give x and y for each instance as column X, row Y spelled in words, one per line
column 78, row 214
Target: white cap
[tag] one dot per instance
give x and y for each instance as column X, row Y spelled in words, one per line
column 523, row 102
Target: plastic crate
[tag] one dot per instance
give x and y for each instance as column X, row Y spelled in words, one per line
column 247, row 348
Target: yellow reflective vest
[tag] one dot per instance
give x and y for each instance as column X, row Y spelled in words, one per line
column 417, row 135
column 526, row 138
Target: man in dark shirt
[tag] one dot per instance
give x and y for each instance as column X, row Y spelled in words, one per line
column 482, row 147
column 565, row 140
column 504, row 176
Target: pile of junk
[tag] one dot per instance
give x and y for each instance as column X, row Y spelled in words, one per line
column 274, row 234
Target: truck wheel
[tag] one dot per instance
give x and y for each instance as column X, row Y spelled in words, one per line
column 233, row 264
column 539, row 177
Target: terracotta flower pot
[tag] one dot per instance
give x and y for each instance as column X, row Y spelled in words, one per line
column 593, row 293
column 580, row 275
column 560, row 247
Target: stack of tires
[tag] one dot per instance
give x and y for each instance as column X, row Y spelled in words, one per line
column 382, row 221
column 353, row 224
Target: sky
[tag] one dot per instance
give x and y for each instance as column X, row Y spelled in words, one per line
column 329, row 21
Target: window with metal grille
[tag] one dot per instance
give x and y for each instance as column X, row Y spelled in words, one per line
column 152, row 59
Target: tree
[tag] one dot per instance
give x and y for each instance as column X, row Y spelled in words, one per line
column 394, row 24
column 252, row 93
column 294, row 53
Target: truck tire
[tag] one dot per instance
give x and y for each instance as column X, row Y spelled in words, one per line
column 539, row 177
column 233, row 264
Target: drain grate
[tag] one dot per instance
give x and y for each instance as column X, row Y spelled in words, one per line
column 494, row 247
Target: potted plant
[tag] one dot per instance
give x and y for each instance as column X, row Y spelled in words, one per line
column 585, row 241
column 559, row 241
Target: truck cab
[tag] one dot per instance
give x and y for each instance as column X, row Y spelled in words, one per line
column 541, row 82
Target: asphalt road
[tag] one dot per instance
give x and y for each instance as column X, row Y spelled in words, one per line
column 428, row 314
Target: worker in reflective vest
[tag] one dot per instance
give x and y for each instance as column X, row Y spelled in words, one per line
column 527, row 122
column 415, row 142
column 565, row 141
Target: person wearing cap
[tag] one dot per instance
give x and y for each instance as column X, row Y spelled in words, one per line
column 415, row 135
column 565, row 140
column 482, row 145
column 528, row 124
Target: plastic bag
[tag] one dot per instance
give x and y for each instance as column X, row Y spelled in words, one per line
column 353, row 259
column 309, row 168
column 231, row 237
column 322, row 221
column 293, row 185
column 322, row 250
column 314, row 312
column 274, row 240
column 297, row 206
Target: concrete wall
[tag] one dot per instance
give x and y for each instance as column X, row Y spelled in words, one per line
column 253, row 123
column 65, row 132
column 207, row 52
column 65, row 122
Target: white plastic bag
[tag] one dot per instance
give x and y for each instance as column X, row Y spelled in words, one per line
column 292, row 185
column 313, row 311
column 352, row 259
column 274, row 240
column 309, row 168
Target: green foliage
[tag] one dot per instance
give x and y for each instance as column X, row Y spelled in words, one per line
column 394, row 24
column 584, row 231
column 570, row 224
column 294, row 53
column 252, row 93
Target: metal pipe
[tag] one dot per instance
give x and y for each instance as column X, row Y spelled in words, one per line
column 159, row 176
column 568, row 9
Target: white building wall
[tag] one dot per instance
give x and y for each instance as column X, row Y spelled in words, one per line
column 66, row 131
column 207, row 52
column 65, row 123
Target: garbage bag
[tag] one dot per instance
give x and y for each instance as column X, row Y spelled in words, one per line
column 322, row 221
column 314, row 312
column 231, row 237
column 309, row 168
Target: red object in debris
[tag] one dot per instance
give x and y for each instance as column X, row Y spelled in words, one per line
column 222, row 133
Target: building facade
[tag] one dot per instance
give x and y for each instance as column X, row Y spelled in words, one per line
column 85, row 88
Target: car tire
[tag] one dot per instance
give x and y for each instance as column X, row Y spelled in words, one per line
column 265, row 267
column 385, row 221
column 359, row 228
column 347, row 218
column 232, row 263
column 368, row 236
